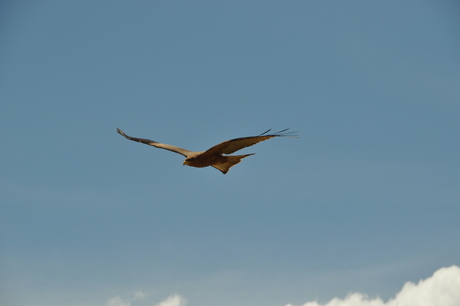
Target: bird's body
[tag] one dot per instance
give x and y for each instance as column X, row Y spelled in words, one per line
column 216, row 156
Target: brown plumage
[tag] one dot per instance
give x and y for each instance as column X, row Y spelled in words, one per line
column 216, row 156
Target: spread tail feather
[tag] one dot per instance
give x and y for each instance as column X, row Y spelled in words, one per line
column 230, row 162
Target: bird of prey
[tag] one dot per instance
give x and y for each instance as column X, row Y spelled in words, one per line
column 217, row 155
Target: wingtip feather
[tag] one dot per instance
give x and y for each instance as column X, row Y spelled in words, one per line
column 280, row 133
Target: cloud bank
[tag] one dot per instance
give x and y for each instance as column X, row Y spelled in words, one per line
column 441, row 289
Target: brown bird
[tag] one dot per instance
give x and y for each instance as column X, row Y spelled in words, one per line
column 216, row 156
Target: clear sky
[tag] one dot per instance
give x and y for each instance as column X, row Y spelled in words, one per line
column 365, row 200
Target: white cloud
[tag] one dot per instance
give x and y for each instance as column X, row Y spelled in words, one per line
column 441, row 289
column 173, row 300
column 117, row 301
column 139, row 296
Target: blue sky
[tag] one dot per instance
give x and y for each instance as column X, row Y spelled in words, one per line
column 365, row 200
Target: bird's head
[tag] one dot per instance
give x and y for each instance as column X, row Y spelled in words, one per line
column 189, row 161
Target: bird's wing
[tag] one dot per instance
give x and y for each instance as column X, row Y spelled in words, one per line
column 156, row 144
column 233, row 145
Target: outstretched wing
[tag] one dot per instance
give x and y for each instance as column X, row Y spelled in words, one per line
column 233, row 145
column 156, row 144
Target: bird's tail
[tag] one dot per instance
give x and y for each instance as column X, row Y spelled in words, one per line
column 230, row 162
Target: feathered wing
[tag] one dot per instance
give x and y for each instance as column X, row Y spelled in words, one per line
column 156, row 144
column 233, row 145
column 230, row 162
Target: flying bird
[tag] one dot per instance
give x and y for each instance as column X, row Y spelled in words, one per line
column 217, row 155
